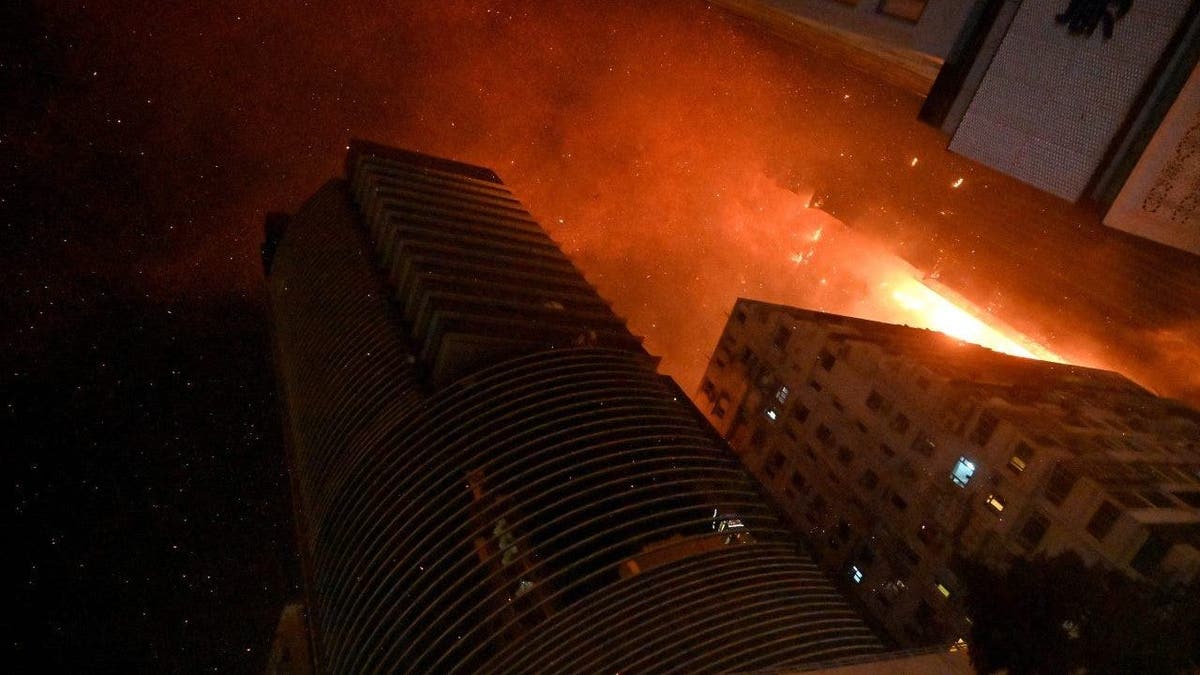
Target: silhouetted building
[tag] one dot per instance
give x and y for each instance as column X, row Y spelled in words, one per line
column 488, row 473
column 894, row 449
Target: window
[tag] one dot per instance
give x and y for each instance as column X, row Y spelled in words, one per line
column 1034, row 530
column 816, row 386
column 1103, row 520
column 782, row 395
column 923, row 445
column 1189, row 497
column 1158, row 499
column 772, row 414
column 1150, row 555
column 1022, row 454
column 800, row 412
column 900, row 423
column 774, row 464
column 875, row 401
column 758, row 438
column 984, row 428
column 826, row 359
column 782, row 335
column 844, row 455
column 1129, row 499
column 856, row 574
column 887, row 450
column 706, row 386
column 995, row 503
column 899, row 503
column 799, row 482
column 1060, row 484
column 942, row 588
column 963, row 470
column 739, row 315
column 826, row 436
column 869, row 479
column 718, row 410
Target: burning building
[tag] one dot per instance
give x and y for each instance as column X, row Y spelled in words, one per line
column 489, row 474
column 894, row 449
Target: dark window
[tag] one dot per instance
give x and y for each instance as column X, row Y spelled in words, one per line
column 887, row 450
column 1034, row 530
column 1060, row 484
column 909, row 554
column 799, row 482
column 748, row 357
column 718, row 410
column 816, row 386
column 984, row 428
column 809, row 451
column 1129, row 499
column 862, row 428
column 837, row 404
column 707, row 387
column 1189, row 497
column 874, row 401
column 774, row 464
column 923, row 445
column 825, row 435
column 758, row 438
column 826, row 359
column 818, row 505
column 869, row 479
column 1103, row 520
column 782, row 335
column 899, row 503
column 844, row 455
column 1150, row 555
column 739, row 316
column 799, row 412
column 1158, row 499
column 900, row 423
column 1021, row 457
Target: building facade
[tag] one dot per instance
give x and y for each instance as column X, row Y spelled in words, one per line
column 488, row 473
column 894, row 449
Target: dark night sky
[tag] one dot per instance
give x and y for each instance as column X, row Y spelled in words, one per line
column 665, row 145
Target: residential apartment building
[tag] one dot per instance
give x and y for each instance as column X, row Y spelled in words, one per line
column 893, row 449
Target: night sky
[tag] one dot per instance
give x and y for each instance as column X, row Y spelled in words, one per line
column 670, row 148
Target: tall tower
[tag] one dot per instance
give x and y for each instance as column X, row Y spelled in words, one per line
column 488, row 473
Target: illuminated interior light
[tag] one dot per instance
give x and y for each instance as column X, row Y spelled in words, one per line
column 957, row 183
column 856, row 574
column 943, row 590
column 963, row 470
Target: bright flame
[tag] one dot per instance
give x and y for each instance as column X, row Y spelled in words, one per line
column 928, row 309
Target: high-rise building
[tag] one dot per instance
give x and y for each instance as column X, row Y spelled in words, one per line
column 1088, row 101
column 488, row 473
column 894, row 449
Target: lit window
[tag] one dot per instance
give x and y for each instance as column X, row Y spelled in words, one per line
column 772, row 414
column 1020, row 458
column 995, row 503
column 943, row 590
column 856, row 574
column 782, row 394
column 963, row 471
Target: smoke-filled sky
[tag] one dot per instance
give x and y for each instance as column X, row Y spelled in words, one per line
column 670, row 147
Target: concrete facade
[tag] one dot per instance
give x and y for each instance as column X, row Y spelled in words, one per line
column 894, row 449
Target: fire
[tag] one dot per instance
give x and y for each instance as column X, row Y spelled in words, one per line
column 926, row 308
